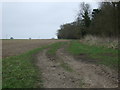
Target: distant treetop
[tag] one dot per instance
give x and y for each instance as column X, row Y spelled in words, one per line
column 11, row 38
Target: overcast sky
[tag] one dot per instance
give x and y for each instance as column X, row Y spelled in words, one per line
column 37, row 20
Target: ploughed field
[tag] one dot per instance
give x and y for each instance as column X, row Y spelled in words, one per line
column 58, row 64
column 16, row 47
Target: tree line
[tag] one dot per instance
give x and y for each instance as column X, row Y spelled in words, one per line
column 103, row 21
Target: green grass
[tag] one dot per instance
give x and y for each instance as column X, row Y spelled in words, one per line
column 81, row 83
column 52, row 51
column 54, row 47
column 20, row 72
column 66, row 66
column 99, row 53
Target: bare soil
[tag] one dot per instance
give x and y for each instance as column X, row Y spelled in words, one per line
column 84, row 75
column 16, row 47
column 93, row 75
column 54, row 76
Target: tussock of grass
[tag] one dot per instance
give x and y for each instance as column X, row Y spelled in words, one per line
column 98, row 53
column 66, row 67
column 82, row 83
column 19, row 71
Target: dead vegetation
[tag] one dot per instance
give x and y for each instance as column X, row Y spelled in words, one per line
column 101, row 41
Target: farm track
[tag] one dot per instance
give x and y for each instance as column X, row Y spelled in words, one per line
column 94, row 76
column 84, row 75
column 54, row 75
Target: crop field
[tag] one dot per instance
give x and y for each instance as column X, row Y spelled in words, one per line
column 58, row 64
column 16, row 47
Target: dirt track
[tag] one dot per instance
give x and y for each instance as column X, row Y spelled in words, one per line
column 84, row 75
column 55, row 76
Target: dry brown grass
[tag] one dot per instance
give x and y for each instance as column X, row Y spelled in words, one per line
column 107, row 42
column 16, row 47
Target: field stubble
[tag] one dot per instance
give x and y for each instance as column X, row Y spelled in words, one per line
column 16, row 47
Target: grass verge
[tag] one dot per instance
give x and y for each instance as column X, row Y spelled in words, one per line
column 102, row 55
column 20, row 72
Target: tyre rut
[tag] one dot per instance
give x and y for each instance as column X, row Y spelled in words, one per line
column 94, row 76
column 53, row 75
